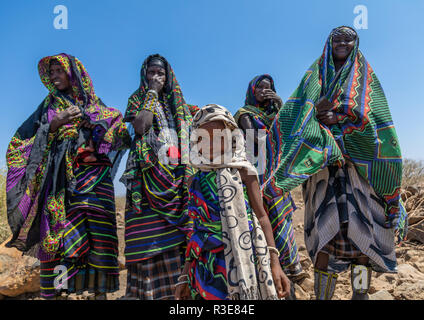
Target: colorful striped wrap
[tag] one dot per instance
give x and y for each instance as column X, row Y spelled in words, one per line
column 205, row 251
column 156, row 216
column 89, row 247
column 40, row 163
column 279, row 205
column 364, row 134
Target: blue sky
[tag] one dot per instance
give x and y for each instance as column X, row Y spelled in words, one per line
column 215, row 47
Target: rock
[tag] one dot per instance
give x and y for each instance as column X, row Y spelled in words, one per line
column 387, row 277
column 419, row 266
column 307, row 285
column 416, row 232
column 381, row 295
column 304, row 261
column 300, row 293
column 408, row 291
column 412, row 256
column 120, row 220
column 407, row 272
column 378, row 284
column 121, row 262
column 18, row 274
column 302, row 247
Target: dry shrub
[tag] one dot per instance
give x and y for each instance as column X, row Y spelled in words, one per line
column 4, row 226
column 413, row 172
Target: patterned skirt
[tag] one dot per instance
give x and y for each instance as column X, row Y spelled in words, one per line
column 345, row 218
column 88, row 258
column 155, row 278
column 156, row 212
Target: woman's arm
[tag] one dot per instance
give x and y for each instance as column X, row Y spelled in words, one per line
column 245, row 124
column 282, row 283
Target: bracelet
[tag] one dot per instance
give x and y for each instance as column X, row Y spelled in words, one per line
column 181, row 282
column 275, row 250
column 181, row 277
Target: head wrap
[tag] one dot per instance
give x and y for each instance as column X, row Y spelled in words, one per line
column 250, row 94
column 158, row 61
column 343, row 30
column 142, row 154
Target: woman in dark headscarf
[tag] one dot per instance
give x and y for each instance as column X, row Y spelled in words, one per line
column 156, row 178
column 336, row 134
column 261, row 106
column 60, row 193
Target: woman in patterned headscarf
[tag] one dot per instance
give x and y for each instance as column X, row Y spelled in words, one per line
column 337, row 136
column 156, row 178
column 261, row 106
column 59, row 184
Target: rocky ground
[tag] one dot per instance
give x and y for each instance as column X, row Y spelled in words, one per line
column 19, row 276
column 407, row 284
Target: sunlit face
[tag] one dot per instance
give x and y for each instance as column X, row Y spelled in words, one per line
column 263, row 85
column 156, row 72
column 218, row 144
column 342, row 46
column 58, row 77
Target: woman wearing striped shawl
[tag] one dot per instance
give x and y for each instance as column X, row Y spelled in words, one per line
column 336, row 136
column 59, row 184
column 261, row 106
column 156, row 219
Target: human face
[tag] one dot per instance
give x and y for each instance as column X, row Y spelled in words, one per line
column 261, row 88
column 59, row 77
column 156, row 77
column 218, row 140
column 342, row 46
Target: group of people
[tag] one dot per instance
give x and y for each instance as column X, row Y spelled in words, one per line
column 205, row 218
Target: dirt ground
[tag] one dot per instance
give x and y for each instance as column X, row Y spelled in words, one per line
column 407, row 284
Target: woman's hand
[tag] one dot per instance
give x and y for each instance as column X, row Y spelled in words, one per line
column 64, row 117
column 281, row 282
column 327, row 117
column 156, row 83
column 142, row 122
column 324, row 113
column 86, row 124
column 271, row 95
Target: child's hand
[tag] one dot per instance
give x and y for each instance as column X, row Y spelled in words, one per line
column 282, row 283
column 182, row 292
